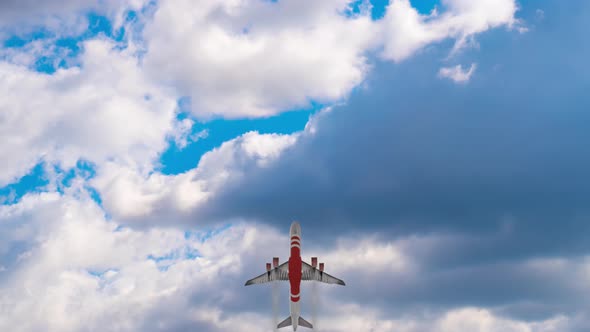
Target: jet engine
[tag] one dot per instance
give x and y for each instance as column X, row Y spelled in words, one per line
column 275, row 261
column 314, row 262
column 268, row 267
column 321, row 267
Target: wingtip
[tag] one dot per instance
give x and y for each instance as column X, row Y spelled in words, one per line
column 342, row 283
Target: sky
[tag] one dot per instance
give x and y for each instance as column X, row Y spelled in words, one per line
column 154, row 154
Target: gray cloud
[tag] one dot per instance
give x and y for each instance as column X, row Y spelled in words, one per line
column 501, row 163
column 59, row 17
column 17, row 11
column 503, row 154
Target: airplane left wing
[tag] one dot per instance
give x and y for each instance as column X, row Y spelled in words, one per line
column 280, row 272
column 311, row 273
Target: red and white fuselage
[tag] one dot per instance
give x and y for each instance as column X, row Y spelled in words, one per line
column 295, row 273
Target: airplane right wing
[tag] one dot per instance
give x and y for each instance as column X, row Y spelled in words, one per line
column 311, row 273
column 280, row 272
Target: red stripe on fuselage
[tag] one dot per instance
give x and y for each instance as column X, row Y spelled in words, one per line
column 295, row 271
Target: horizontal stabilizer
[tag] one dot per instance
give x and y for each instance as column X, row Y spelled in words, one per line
column 304, row 323
column 286, row 322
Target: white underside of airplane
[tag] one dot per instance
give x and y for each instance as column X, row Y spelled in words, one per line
column 295, row 270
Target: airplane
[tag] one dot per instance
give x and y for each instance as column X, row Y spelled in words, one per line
column 295, row 270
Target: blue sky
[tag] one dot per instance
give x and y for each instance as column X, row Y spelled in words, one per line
column 155, row 155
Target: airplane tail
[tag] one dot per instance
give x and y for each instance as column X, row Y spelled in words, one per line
column 288, row 322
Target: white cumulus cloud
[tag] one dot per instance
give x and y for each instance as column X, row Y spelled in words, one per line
column 128, row 193
column 104, row 110
column 406, row 31
column 457, row 73
column 256, row 58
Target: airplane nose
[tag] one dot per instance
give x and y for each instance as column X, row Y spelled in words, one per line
column 295, row 229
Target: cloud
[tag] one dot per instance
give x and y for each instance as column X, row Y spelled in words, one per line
column 163, row 279
column 118, row 279
column 369, row 252
column 256, row 58
column 416, row 156
column 457, row 74
column 473, row 319
column 406, row 31
column 443, row 208
column 284, row 54
column 412, row 154
column 182, row 135
column 141, row 197
column 104, row 110
column 406, row 275
column 463, row 319
column 63, row 16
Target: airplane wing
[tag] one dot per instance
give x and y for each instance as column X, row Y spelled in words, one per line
column 313, row 274
column 280, row 272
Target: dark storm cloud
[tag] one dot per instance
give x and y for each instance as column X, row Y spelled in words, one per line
column 508, row 152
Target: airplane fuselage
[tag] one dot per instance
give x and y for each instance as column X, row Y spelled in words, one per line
column 294, row 270
column 295, row 273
